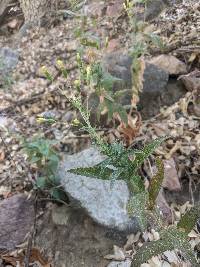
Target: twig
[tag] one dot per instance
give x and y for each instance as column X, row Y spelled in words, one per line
column 56, row 200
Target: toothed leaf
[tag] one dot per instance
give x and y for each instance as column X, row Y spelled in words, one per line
column 170, row 239
column 189, row 219
column 136, row 207
column 156, row 184
column 143, row 154
column 96, row 172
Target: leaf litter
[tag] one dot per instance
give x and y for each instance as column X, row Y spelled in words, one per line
column 179, row 27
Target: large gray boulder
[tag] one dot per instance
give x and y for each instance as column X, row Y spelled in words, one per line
column 155, row 81
column 158, row 88
column 105, row 202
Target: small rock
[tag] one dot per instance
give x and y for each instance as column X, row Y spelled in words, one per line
column 126, row 263
column 119, row 65
column 17, row 217
column 118, row 255
column 115, row 9
column 8, row 60
column 154, row 8
column 164, row 208
column 155, row 79
column 95, row 9
column 103, row 201
column 171, row 180
column 68, row 116
column 170, row 64
column 113, row 45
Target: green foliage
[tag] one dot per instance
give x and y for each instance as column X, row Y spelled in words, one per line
column 75, row 5
column 189, row 219
column 156, row 184
column 102, row 82
column 137, row 206
column 170, row 239
column 122, row 163
column 125, row 162
column 141, row 42
column 41, row 152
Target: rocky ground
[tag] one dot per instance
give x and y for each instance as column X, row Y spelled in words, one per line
column 169, row 105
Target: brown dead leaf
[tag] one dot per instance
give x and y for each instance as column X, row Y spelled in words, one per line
column 2, row 155
column 118, row 254
column 18, row 259
column 37, row 256
column 13, row 260
column 131, row 130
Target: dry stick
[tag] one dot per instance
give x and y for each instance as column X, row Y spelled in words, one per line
column 33, row 232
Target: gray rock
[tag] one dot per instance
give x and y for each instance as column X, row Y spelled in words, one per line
column 72, row 239
column 120, row 66
column 154, row 85
column 154, row 8
column 8, row 60
column 154, row 82
column 126, row 263
column 17, row 217
column 157, row 92
column 104, row 202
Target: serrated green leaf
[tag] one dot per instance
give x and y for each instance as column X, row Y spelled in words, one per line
column 136, row 207
column 156, row 184
column 148, row 250
column 170, row 239
column 141, row 155
column 136, row 184
column 96, row 172
column 189, row 219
